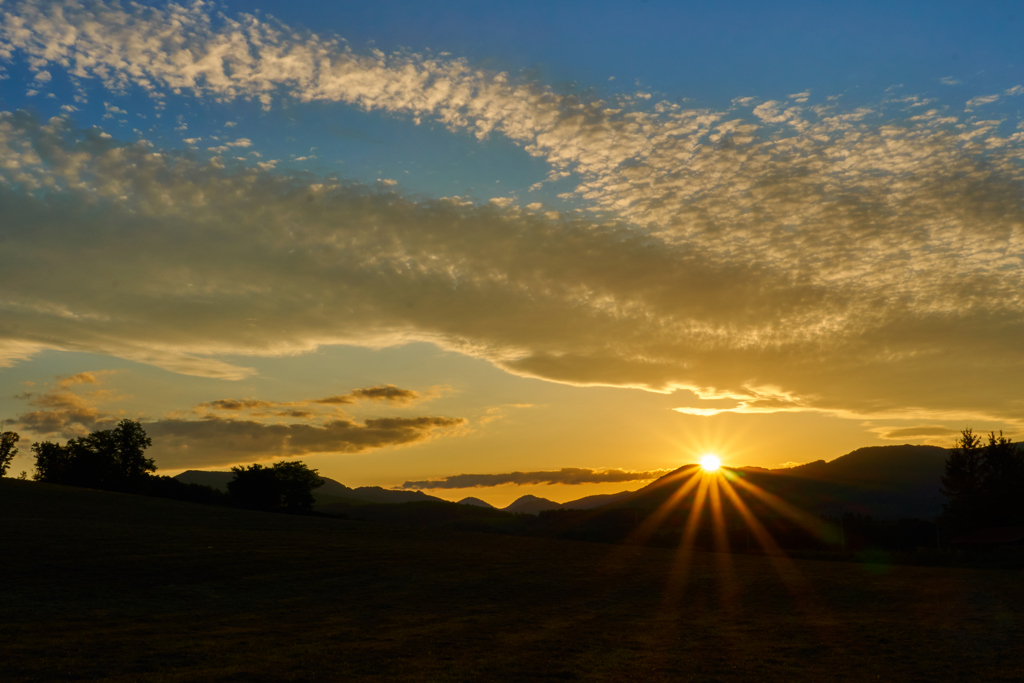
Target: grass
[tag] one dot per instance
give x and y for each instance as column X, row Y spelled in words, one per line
column 103, row 586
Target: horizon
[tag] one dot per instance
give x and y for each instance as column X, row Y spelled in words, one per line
column 509, row 497
column 484, row 251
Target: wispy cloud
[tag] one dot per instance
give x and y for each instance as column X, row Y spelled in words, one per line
column 566, row 475
column 387, row 393
column 923, row 431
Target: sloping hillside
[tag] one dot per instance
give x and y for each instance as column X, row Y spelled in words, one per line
column 884, row 482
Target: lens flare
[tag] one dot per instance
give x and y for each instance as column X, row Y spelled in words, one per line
column 710, row 463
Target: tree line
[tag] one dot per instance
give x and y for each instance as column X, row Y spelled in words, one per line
column 115, row 460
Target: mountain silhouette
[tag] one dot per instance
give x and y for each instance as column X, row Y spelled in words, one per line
column 332, row 491
column 475, row 501
column 595, row 501
column 532, row 505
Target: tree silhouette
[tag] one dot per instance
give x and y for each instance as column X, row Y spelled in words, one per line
column 284, row 486
column 1003, row 482
column 7, row 450
column 255, row 487
column 108, row 459
column 130, row 443
column 983, row 483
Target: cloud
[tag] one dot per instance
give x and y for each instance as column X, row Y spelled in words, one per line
column 216, row 439
column 388, row 392
column 83, row 378
column 62, row 412
column 980, row 100
column 566, row 475
column 847, row 258
column 236, row 404
column 916, row 432
column 220, row 441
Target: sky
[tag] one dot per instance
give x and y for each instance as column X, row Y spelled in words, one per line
column 495, row 249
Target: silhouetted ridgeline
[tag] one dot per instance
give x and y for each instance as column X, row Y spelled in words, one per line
column 331, row 491
column 884, row 482
column 884, row 497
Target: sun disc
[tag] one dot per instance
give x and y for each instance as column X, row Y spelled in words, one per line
column 710, row 463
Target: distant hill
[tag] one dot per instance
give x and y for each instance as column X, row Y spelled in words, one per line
column 883, row 467
column 376, row 494
column 215, row 480
column 332, row 491
column 591, row 502
column 475, row 501
column 885, row 482
column 532, row 505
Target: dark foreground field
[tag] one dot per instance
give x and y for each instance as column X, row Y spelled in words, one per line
column 102, row 586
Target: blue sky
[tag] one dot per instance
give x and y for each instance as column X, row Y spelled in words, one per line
column 601, row 236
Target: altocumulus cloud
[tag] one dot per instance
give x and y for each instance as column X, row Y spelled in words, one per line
column 566, row 475
column 785, row 254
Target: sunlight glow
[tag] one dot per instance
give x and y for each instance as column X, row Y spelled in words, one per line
column 710, row 463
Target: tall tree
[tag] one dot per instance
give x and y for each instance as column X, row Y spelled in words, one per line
column 1003, row 482
column 7, row 450
column 962, row 482
column 130, row 444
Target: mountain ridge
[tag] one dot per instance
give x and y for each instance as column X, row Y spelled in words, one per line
column 889, row 481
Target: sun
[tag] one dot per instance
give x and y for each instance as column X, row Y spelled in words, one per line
column 710, row 463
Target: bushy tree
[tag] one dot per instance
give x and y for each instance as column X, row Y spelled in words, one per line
column 255, row 487
column 284, row 486
column 7, row 450
column 106, row 459
column 54, row 463
column 984, row 483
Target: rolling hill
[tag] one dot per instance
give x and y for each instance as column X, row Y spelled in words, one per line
column 475, row 501
column 331, row 492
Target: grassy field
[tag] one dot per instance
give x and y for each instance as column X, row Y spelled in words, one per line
column 103, row 586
